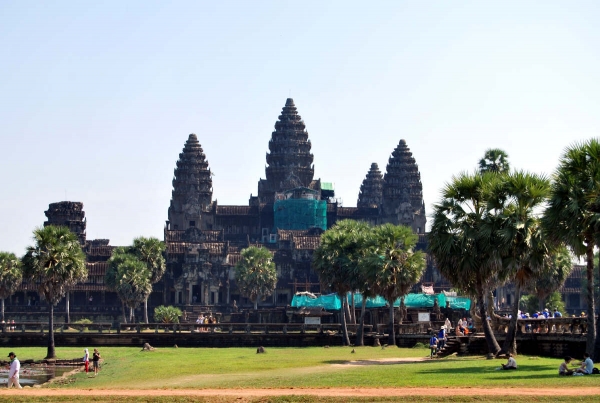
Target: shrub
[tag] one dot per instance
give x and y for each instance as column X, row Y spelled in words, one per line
column 167, row 314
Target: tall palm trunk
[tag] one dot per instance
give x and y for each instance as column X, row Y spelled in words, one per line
column 353, row 309
column 361, row 326
column 131, row 315
column 51, row 347
column 68, row 309
column 3, row 310
column 123, row 312
column 343, row 320
column 392, row 335
column 146, row 310
column 510, row 343
column 591, row 306
column 347, row 310
column 493, row 346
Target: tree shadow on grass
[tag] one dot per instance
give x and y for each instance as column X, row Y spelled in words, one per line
column 523, row 372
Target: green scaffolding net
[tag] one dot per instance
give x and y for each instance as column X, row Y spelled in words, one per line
column 298, row 214
column 332, row 301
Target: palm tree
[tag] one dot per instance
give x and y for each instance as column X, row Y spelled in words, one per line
column 150, row 251
column 11, row 275
column 255, row 274
column 494, row 160
column 55, row 263
column 572, row 216
column 517, row 197
column 394, row 265
column 129, row 277
column 336, row 262
column 464, row 241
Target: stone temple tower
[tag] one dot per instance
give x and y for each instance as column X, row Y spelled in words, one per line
column 289, row 158
column 192, row 187
column 371, row 189
column 68, row 214
column 403, row 191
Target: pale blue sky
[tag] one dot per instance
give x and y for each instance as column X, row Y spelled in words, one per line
column 97, row 98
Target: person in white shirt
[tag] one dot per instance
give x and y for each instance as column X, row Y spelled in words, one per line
column 587, row 365
column 511, row 364
column 13, row 373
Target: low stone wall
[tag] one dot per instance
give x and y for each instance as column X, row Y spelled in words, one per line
column 27, row 339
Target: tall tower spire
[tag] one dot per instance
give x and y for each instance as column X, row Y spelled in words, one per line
column 289, row 159
column 192, row 187
column 403, row 191
column 371, row 189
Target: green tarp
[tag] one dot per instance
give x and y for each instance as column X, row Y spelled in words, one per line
column 332, row 302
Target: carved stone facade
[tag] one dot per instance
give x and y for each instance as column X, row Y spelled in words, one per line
column 192, row 187
column 201, row 257
column 403, row 192
column 204, row 239
column 371, row 190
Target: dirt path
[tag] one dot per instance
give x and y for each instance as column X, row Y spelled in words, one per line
column 359, row 392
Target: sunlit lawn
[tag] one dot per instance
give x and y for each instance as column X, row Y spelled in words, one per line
column 316, row 367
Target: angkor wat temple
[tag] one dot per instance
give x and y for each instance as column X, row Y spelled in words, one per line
column 287, row 216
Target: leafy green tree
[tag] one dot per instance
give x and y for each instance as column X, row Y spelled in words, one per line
column 55, row 263
column 494, row 160
column 336, row 262
column 150, row 251
column 11, row 275
column 393, row 265
column 517, row 197
column 129, row 277
column 558, row 265
column 167, row 314
column 465, row 243
column 255, row 274
column 531, row 303
column 572, row 216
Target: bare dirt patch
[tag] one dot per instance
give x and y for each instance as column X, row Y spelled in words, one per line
column 358, row 392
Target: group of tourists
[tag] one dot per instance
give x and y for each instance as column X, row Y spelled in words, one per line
column 207, row 320
column 437, row 341
column 95, row 360
column 586, row 367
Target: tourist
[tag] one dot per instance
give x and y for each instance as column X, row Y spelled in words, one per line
column 13, row 373
column 448, row 324
column 433, row 344
column 511, row 363
column 587, row 365
column 557, row 313
column 546, row 313
column 86, row 360
column 96, row 361
column 200, row 321
column 564, row 367
column 442, row 337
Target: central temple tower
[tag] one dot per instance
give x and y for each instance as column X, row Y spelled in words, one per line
column 289, row 160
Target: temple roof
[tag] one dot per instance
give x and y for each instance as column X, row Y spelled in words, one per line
column 402, row 179
column 371, row 190
column 192, row 182
column 289, row 158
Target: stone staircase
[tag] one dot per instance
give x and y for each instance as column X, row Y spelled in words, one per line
column 453, row 345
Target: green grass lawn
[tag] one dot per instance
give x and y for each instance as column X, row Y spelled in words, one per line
column 317, row 367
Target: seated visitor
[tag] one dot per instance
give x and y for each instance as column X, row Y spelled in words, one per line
column 511, row 363
column 587, row 365
column 557, row 313
column 564, row 367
